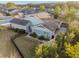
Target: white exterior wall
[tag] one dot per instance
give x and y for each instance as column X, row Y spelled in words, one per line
column 43, row 33
column 18, row 26
column 5, row 24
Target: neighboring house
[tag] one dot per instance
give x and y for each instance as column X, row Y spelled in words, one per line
column 16, row 13
column 63, row 27
column 31, row 11
column 42, row 15
column 48, row 9
column 4, row 13
column 12, row 8
column 5, row 20
column 1, row 14
column 3, row 8
column 6, row 17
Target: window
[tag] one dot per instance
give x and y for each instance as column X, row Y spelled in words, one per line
column 30, row 29
column 44, row 32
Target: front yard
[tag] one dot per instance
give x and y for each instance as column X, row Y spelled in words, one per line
column 7, row 49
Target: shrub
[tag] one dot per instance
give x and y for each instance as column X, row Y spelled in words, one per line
column 43, row 38
column 7, row 14
column 46, row 51
column 19, row 30
column 33, row 34
column 55, row 16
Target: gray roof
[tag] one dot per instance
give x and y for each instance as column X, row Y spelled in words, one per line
column 19, row 21
column 52, row 24
column 34, row 20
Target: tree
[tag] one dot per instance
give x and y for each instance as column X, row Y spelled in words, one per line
column 65, row 6
column 73, row 31
column 10, row 4
column 46, row 51
column 72, row 50
column 69, row 15
column 42, row 7
column 60, row 44
column 74, row 26
column 28, row 7
column 76, row 38
column 8, row 14
column 57, row 12
column 69, row 37
column 33, row 34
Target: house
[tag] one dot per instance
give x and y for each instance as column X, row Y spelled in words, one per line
column 30, row 24
column 43, row 31
column 46, row 28
column 34, row 20
column 38, row 28
column 55, row 25
column 20, row 24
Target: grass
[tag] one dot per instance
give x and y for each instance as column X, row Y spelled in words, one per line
column 1, row 19
column 7, row 49
column 26, row 45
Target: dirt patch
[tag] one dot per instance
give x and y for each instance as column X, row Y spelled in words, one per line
column 7, row 49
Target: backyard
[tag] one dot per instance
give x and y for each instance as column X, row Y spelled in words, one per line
column 7, row 49
column 26, row 45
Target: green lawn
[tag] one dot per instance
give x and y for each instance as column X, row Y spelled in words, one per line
column 7, row 49
column 26, row 45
